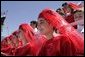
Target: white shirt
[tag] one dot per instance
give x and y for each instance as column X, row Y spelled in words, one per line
column 80, row 27
column 82, row 30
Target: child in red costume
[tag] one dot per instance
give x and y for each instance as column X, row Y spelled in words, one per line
column 69, row 43
column 31, row 44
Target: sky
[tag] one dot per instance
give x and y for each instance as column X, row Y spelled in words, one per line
column 24, row 11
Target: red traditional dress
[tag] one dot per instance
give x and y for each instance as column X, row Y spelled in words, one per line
column 70, row 43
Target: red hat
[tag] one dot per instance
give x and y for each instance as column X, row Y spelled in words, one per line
column 49, row 15
column 74, row 6
column 28, row 31
column 15, row 32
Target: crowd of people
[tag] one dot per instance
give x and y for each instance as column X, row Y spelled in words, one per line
column 55, row 33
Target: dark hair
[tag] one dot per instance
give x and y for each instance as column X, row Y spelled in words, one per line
column 64, row 4
column 77, row 11
column 58, row 9
column 59, row 12
column 34, row 22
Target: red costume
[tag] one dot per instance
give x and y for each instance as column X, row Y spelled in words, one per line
column 71, row 43
column 70, row 19
column 33, row 45
column 7, row 47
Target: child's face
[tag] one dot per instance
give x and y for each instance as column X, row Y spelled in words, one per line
column 15, row 39
column 21, row 34
column 44, row 27
column 78, row 16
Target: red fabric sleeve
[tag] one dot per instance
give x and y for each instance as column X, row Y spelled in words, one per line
column 23, row 51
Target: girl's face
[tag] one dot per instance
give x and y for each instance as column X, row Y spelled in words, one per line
column 68, row 10
column 78, row 16
column 10, row 42
column 15, row 40
column 21, row 34
column 44, row 27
